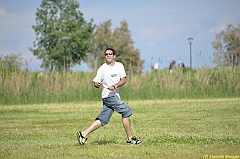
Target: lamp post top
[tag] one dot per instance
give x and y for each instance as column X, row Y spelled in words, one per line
column 190, row 40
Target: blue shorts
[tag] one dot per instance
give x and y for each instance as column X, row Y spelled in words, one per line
column 111, row 104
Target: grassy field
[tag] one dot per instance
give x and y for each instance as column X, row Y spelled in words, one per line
column 197, row 128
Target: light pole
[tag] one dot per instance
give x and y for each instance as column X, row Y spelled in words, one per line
column 190, row 40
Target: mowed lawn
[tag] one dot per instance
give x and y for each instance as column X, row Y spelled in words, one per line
column 201, row 128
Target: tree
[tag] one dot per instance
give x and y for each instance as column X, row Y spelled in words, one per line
column 227, row 46
column 103, row 39
column 126, row 53
column 120, row 40
column 64, row 37
column 11, row 63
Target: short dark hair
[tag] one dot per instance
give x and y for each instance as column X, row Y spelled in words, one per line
column 109, row 48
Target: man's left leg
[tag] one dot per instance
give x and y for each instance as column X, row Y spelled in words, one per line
column 127, row 127
column 126, row 112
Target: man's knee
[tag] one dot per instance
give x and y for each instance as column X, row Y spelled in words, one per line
column 102, row 122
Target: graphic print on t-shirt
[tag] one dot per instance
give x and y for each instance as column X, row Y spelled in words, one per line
column 114, row 75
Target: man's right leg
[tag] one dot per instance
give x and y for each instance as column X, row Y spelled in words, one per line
column 101, row 120
column 104, row 116
column 81, row 136
column 94, row 126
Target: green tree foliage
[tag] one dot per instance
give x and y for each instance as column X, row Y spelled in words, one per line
column 103, row 39
column 227, row 46
column 64, row 37
column 120, row 40
column 126, row 53
column 11, row 63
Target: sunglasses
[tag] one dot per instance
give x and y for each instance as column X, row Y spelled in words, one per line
column 108, row 53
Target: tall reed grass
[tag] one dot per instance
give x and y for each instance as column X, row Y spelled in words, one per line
column 38, row 87
column 198, row 83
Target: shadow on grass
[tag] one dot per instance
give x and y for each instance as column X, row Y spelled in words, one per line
column 99, row 142
column 103, row 142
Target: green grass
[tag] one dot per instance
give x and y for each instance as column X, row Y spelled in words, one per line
column 168, row 129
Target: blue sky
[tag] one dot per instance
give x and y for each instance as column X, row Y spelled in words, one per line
column 159, row 28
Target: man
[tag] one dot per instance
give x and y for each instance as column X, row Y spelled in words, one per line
column 111, row 75
column 171, row 66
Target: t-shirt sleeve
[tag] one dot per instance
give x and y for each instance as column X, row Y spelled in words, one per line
column 122, row 71
column 99, row 76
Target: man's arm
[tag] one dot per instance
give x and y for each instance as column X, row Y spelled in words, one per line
column 119, row 84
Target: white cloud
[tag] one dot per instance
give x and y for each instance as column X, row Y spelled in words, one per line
column 217, row 29
column 171, row 30
column 14, row 20
column 151, row 33
column 2, row 12
column 151, row 44
column 233, row 19
column 157, row 33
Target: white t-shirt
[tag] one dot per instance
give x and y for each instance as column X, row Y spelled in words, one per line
column 110, row 75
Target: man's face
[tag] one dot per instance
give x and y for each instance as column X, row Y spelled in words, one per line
column 109, row 56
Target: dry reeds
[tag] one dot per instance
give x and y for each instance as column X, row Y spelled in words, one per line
column 38, row 87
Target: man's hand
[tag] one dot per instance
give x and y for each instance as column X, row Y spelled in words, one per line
column 112, row 88
column 97, row 84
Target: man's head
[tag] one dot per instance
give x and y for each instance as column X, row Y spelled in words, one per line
column 110, row 55
column 110, row 49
